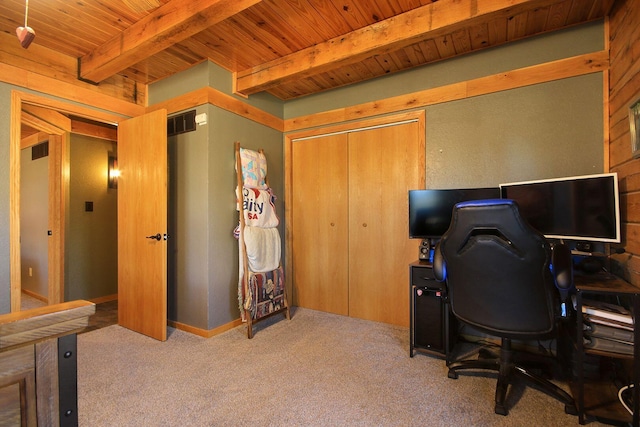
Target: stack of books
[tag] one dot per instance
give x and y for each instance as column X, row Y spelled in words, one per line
column 607, row 327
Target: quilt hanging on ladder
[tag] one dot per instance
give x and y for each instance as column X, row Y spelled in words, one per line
column 261, row 285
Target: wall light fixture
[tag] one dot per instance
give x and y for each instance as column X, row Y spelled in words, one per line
column 113, row 172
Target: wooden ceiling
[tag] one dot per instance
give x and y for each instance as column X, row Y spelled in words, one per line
column 288, row 48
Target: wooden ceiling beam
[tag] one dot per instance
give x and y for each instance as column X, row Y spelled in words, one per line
column 33, row 139
column 171, row 23
column 39, row 124
column 45, row 120
column 433, row 20
column 49, row 116
column 108, row 133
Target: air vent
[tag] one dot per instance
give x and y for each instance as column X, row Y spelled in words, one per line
column 40, row 150
column 181, row 123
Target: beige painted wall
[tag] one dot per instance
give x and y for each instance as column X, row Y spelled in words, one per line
column 34, row 195
column 91, row 252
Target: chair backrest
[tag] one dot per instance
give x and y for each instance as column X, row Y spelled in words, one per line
column 497, row 270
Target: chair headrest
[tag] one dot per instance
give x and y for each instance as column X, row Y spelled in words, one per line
column 486, row 202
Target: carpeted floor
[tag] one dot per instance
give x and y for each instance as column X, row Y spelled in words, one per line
column 317, row 369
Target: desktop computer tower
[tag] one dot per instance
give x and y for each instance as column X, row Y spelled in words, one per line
column 428, row 319
column 432, row 326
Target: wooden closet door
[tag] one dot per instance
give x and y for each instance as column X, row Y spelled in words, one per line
column 384, row 164
column 320, row 221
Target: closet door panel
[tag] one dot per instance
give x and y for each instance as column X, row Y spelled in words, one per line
column 320, row 221
column 384, row 164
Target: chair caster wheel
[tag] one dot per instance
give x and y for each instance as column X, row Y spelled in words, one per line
column 501, row 410
column 453, row 375
column 570, row 409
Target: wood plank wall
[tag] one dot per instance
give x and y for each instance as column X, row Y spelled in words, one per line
column 44, row 70
column 624, row 88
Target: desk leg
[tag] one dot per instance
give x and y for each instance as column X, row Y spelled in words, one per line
column 412, row 319
column 580, row 358
column 636, row 367
column 447, row 332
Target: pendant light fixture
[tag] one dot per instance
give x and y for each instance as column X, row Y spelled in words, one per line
column 25, row 34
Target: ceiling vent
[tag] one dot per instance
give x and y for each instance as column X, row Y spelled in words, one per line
column 181, row 123
column 40, row 150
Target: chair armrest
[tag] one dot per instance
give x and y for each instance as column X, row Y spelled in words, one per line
column 562, row 268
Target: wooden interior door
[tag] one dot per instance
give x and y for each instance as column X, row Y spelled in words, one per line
column 384, row 164
column 320, row 216
column 142, row 214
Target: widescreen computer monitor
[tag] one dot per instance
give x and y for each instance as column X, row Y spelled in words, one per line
column 573, row 208
column 430, row 210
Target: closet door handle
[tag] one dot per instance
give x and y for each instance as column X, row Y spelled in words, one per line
column 157, row 237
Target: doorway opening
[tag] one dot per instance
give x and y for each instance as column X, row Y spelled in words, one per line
column 69, row 130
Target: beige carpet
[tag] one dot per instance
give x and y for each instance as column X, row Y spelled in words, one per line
column 316, row 369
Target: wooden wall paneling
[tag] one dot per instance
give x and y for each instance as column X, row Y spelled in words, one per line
column 77, row 92
column 619, row 126
column 320, row 224
column 54, row 65
column 630, row 206
column 621, row 96
column 632, row 246
column 619, row 149
column 623, row 39
column 624, row 87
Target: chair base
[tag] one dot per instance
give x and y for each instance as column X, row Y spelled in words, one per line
column 507, row 370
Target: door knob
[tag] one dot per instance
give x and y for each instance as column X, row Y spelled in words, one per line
column 157, row 237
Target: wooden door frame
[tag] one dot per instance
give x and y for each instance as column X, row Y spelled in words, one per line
column 58, row 167
column 58, row 176
column 417, row 115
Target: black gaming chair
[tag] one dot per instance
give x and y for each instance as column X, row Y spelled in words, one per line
column 499, row 279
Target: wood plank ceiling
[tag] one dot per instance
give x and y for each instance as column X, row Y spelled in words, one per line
column 288, row 48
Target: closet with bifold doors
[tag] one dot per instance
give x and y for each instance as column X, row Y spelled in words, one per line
column 349, row 242
column 261, row 285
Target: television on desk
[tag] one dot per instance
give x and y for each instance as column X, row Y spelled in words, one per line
column 430, row 210
column 582, row 208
